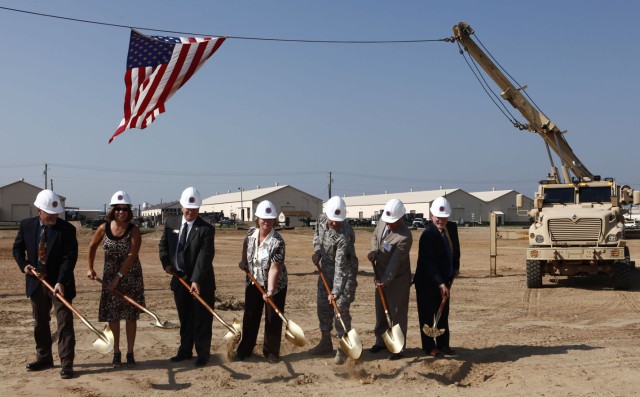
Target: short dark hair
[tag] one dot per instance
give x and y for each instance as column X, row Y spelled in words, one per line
column 111, row 215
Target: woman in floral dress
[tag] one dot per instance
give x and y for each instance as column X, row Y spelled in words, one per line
column 121, row 241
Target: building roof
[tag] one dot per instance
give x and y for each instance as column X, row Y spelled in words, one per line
column 247, row 195
column 21, row 182
column 405, row 197
column 491, row 194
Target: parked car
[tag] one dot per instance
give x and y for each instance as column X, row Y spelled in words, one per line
column 226, row 222
column 419, row 222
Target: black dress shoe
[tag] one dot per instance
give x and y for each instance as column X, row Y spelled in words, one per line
column 447, row 351
column 66, row 374
column 201, row 361
column 376, row 348
column 239, row 357
column 39, row 365
column 180, row 357
column 395, row 356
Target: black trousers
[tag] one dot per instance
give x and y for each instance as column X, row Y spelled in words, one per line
column 253, row 307
column 41, row 302
column 428, row 301
column 195, row 323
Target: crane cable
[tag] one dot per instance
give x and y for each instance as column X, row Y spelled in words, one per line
column 492, row 95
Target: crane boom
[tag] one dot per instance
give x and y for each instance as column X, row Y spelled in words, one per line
column 538, row 122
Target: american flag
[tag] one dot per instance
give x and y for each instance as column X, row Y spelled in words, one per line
column 157, row 66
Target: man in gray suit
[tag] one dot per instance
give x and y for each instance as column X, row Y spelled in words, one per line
column 187, row 252
column 390, row 246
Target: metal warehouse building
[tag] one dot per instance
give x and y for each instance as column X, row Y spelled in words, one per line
column 293, row 204
column 466, row 207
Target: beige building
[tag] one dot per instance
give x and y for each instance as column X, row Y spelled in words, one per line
column 503, row 203
column 16, row 201
column 466, row 208
column 293, row 204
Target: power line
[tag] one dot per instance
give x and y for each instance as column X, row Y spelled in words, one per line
column 413, row 41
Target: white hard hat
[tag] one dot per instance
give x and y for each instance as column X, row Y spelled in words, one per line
column 336, row 209
column 120, row 197
column 266, row 210
column 190, row 198
column 393, row 210
column 49, row 202
column 441, row 208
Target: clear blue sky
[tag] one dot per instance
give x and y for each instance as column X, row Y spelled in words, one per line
column 380, row 117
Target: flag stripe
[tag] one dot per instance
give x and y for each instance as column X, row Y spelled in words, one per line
column 156, row 68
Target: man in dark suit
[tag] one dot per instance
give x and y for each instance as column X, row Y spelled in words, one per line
column 187, row 252
column 390, row 246
column 438, row 264
column 48, row 245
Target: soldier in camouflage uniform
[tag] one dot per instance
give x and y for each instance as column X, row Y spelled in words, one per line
column 334, row 250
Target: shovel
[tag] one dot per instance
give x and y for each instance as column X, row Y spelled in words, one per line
column 158, row 323
column 350, row 342
column 104, row 343
column 293, row 333
column 235, row 330
column 393, row 337
column 434, row 332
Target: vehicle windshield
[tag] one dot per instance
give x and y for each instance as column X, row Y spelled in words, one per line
column 561, row 195
column 595, row 194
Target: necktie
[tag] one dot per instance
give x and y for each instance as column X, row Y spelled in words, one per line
column 42, row 247
column 385, row 233
column 181, row 244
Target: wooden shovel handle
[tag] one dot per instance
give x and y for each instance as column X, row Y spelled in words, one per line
column 123, row 296
column 205, row 304
column 198, row 297
column 379, row 288
column 326, row 286
column 100, row 334
column 263, row 292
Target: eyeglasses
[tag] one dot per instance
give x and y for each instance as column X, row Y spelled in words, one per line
column 121, row 209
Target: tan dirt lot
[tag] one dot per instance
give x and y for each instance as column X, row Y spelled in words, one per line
column 573, row 337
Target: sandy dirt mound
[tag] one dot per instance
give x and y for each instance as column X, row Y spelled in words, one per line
column 572, row 337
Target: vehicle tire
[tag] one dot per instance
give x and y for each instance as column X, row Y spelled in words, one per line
column 621, row 275
column 534, row 274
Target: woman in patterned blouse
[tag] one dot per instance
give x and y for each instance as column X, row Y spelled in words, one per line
column 263, row 256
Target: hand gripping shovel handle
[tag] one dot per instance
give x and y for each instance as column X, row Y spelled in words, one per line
column 206, row 305
column 262, row 291
column 382, row 297
column 158, row 323
column 293, row 332
column 441, row 308
column 350, row 341
column 333, row 302
column 105, row 345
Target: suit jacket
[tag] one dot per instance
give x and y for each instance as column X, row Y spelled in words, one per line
column 62, row 254
column 433, row 268
column 392, row 260
column 198, row 254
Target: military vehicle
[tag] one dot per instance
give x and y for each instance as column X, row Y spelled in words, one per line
column 577, row 220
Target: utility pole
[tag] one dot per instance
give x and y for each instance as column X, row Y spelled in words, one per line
column 330, row 181
column 241, row 205
column 45, row 175
column 51, row 183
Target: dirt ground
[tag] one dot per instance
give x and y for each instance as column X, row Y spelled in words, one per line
column 573, row 337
